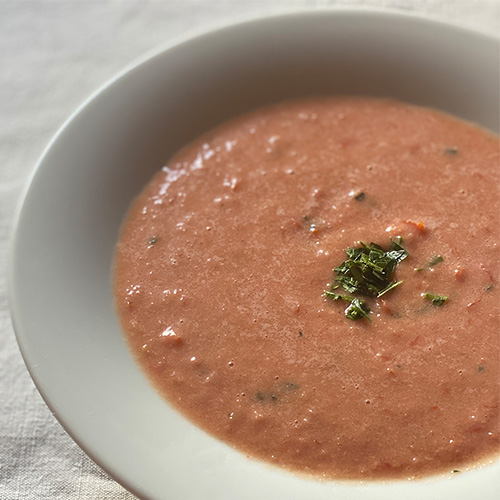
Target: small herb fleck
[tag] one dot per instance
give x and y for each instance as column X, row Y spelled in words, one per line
column 290, row 386
column 435, row 260
column 389, row 287
column 153, row 240
column 266, row 397
column 437, row 300
column 335, row 296
column 357, row 309
column 360, row 196
column 481, row 368
column 488, row 288
column 301, row 333
column 451, row 151
column 455, row 471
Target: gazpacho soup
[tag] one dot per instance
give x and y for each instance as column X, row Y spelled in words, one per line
column 316, row 284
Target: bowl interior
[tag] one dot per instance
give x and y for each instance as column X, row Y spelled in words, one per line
column 62, row 253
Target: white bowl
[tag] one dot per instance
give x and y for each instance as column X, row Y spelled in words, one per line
column 62, row 252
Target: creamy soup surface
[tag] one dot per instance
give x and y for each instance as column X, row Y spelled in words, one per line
column 224, row 259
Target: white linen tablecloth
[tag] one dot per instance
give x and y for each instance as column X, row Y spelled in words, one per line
column 53, row 55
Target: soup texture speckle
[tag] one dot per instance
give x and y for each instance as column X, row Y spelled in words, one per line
column 225, row 257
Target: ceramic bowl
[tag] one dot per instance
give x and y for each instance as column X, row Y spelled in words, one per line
column 67, row 228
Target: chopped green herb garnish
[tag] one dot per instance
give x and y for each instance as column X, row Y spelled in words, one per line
column 301, row 333
column 451, row 151
column 435, row 260
column 357, row 308
column 369, row 269
column 153, row 240
column 335, row 296
column 488, row 288
column 360, row 196
column 389, row 287
column 480, row 368
column 455, row 471
column 437, row 300
column 306, row 218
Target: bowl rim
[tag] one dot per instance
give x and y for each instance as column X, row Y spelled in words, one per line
column 192, row 36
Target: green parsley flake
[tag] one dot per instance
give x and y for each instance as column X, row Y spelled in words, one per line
column 357, row 308
column 437, row 300
column 435, row 260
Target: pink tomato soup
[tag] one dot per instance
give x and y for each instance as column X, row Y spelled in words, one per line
column 225, row 256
